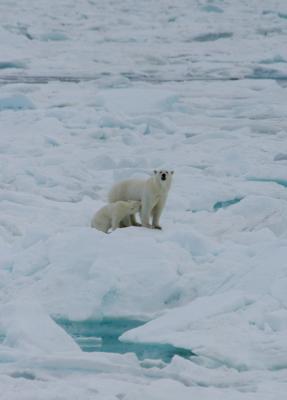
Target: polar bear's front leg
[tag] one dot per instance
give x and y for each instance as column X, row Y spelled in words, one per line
column 156, row 213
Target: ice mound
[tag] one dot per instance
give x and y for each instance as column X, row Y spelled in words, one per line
column 224, row 328
column 106, row 275
column 16, row 102
column 53, row 36
column 28, row 328
column 211, row 37
column 136, row 101
column 280, row 157
column 196, row 244
column 12, row 65
column 212, row 9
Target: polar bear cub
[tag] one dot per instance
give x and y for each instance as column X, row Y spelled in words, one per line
column 151, row 192
column 111, row 215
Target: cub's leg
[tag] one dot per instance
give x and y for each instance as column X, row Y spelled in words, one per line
column 103, row 227
column 102, row 223
column 115, row 222
column 125, row 222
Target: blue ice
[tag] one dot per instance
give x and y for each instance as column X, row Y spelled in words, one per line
column 226, row 203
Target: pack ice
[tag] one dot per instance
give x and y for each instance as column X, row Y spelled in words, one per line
column 95, row 92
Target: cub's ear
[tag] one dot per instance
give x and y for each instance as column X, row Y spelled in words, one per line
column 172, row 172
column 155, row 171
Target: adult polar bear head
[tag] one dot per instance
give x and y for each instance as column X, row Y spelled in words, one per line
column 151, row 192
column 163, row 178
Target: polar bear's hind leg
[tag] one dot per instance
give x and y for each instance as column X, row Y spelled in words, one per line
column 146, row 214
column 134, row 221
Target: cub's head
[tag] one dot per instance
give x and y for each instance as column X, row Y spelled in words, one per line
column 164, row 177
column 134, row 206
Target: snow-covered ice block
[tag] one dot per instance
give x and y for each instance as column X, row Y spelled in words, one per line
column 12, row 65
column 181, row 319
column 280, row 157
column 16, row 102
column 277, row 320
column 193, row 242
column 27, row 327
column 53, row 36
column 137, row 100
column 221, row 328
column 91, row 274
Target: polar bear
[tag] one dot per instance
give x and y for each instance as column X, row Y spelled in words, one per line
column 151, row 192
column 111, row 215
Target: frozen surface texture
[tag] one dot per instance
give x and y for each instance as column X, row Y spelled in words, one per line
column 93, row 92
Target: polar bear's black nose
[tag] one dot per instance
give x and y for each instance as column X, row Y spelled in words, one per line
column 163, row 177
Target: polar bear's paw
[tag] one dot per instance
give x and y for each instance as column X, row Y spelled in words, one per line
column 148, row 226
column 137, row 224
column 157, row 227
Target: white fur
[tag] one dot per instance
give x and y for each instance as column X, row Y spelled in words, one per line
column 111, row 215
column 151, row 192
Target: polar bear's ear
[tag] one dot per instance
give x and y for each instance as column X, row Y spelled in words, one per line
column 155, row 171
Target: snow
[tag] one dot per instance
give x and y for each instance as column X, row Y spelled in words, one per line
column 95, row 92
column 43, row 334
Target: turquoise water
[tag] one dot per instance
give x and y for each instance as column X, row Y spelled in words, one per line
column 103, row 336
column 227, row 203
column 279, row 181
